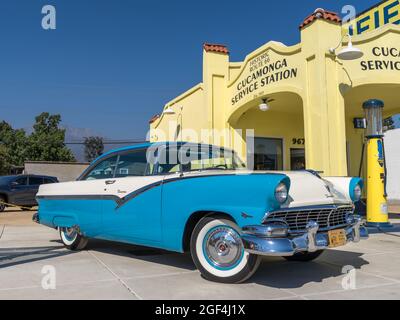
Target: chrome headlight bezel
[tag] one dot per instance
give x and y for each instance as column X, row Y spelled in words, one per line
column 357, row 193
column 281, row 193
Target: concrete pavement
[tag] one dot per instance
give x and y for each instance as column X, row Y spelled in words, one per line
column 116, row 271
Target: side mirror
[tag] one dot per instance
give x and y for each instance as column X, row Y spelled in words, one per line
column 14, row 184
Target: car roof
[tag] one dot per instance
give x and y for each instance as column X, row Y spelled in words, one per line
column 147, row 145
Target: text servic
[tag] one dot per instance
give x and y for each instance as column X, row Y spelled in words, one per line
column 387, row 58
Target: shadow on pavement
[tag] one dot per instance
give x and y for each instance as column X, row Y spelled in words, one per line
column 10, row 257
column 273, row 272
column 282, row 274
column 178, row 260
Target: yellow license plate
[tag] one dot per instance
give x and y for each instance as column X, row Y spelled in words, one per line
column 337, row 238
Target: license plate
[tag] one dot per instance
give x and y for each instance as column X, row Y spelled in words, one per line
column 337, row 238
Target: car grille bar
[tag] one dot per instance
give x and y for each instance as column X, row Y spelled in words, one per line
column 327, row 217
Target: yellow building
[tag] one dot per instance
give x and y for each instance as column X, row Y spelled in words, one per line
column 309, row 96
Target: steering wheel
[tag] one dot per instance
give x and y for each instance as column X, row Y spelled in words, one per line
column 222, row 166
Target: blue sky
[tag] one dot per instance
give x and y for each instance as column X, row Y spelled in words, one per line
column 112, row 64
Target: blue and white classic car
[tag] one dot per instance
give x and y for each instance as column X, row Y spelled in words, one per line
column 200, row 198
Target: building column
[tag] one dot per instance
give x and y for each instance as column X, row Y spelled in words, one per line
column 215, row 77
column 324, row 107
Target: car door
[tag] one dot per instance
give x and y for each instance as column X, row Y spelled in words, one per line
column 19, row 191
column 92, row 197
column 33, row 187
column 136, row 216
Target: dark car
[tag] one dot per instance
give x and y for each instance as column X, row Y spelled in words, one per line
column 21, row 190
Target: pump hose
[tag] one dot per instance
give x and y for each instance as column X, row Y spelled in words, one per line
column 385, row 165
column 388, row 233
column 362, row 159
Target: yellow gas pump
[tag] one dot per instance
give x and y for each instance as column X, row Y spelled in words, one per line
column 377, row 206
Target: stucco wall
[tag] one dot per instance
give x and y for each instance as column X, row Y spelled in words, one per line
column 63, row 171
column 269, row 125
column 392, row 146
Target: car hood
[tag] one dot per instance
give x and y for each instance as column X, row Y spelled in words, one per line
column 306, row 189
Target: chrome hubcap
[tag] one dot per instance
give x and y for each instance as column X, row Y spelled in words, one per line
column 70, row 233
column 223, row 247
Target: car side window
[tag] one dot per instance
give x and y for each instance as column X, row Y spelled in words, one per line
column 35, row 181
column 48, row 181
column 132, row 164
column 168, row 161
column 23, row 181
column 103, row 170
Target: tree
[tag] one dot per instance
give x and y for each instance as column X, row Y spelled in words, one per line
column 4, row 160
column 46, row 143
column 14, row 144
column 94, row 147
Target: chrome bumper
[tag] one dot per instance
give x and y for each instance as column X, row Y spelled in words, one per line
column 268, row 240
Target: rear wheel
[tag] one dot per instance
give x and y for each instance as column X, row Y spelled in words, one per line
column 305, row 256
column 2, row 205
column 72, row 239
column 217, row 251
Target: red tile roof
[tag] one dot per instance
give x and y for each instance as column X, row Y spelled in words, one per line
column 321, row 14
column 154, row 119
column 219, row 48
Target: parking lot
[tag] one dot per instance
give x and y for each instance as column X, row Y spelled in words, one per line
column 114, row 271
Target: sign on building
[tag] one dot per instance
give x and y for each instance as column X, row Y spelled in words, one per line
column 385, row 12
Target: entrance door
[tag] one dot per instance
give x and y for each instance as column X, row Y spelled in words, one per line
column 268, row 154
column 297, row 159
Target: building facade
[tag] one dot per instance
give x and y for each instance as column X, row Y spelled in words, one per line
column 309, row 96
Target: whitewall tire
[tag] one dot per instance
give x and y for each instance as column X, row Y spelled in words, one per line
column 72, row 239
column 217, row 251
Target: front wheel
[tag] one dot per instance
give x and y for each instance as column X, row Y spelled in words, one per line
column 72, row 239
column 305, row 256
column 217, row 251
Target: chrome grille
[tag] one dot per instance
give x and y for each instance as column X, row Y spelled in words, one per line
column 326, row 217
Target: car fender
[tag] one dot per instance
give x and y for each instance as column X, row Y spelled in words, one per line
column 344, row 185
column 246, row 198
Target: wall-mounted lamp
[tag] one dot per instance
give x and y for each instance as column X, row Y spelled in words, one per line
column 169, row 111
column 348, row 53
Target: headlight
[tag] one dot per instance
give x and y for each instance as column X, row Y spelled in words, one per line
column 357, row 193
column 281, row 193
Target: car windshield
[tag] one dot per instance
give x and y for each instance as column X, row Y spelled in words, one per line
column 189, row 158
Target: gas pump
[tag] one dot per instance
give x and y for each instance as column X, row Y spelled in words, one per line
column 377, row 206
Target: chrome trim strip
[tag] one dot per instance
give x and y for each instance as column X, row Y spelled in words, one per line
column 80, row 197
